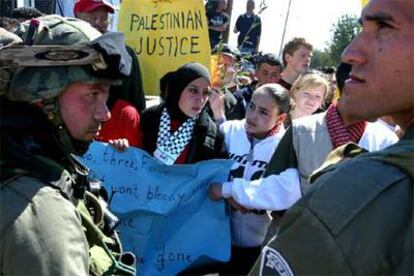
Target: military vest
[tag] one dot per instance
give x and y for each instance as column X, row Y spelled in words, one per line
column 105, row 251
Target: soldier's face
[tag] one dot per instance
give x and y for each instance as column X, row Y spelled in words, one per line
column 97, row 18
column 382, row 56
column 83, row 109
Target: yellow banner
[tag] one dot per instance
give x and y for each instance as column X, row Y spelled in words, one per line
column 165, row 34
column 364, row 3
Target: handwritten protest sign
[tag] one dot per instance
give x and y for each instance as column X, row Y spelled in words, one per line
column 168, row 221
column 165, row 34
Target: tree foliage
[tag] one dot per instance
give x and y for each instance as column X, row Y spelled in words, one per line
column 321, row 58
column 343, row 31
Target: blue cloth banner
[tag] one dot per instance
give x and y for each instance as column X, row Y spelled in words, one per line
column 167, row 219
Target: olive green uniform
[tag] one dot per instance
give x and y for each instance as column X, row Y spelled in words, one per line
column 50, row 222
column 357, row 218
column 44, row 216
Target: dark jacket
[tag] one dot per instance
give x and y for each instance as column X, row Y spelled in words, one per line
column 131, row 89
column 233, row 108
column 207, row 142
column 243, row 97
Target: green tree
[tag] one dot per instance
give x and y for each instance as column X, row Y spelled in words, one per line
column 343, row 31
column 321, row 58
column 346, row 28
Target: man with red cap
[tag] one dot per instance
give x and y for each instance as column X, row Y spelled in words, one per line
column 95, row 12
column 125, row 121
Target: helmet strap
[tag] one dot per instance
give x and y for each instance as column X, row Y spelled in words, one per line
column 51, row 108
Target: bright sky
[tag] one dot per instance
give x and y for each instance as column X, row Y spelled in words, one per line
column 311, row 19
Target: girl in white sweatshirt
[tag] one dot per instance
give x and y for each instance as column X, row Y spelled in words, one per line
column 251, row 143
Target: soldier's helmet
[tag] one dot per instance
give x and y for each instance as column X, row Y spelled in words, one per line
column 60, row 55
column 62, row 51
column 7, row 38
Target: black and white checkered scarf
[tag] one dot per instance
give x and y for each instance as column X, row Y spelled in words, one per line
column 174, row 143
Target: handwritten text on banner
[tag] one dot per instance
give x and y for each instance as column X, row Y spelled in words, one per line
column 167, row 218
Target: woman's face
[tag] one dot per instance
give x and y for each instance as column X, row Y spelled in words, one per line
column 307, row 101
column 194, row 97
column 262, row 114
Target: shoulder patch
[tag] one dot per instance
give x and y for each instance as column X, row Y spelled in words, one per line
column 273, row 263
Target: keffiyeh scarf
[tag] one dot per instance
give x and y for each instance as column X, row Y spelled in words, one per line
column 339, row 133
column 173, row 144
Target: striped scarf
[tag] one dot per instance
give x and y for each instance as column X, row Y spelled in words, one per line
column 339, row 133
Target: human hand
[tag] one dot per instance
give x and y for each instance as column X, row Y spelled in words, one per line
column 216, row 102
column 222, row 28
column 214, row 191
column 119, row 144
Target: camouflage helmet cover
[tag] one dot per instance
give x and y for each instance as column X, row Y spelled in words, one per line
column 36, row 83
column 7, row 38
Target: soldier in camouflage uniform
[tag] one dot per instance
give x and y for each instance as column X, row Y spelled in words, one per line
column 357, row 217
column 51, row 109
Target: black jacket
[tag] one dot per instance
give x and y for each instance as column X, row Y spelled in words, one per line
column 131, row 89
column 233, row 107
column 207, row 141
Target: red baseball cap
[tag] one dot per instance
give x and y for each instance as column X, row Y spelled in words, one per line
column 91, row 5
